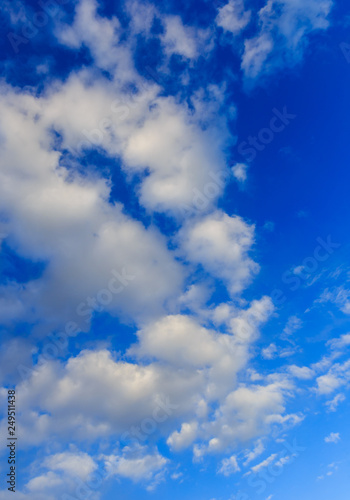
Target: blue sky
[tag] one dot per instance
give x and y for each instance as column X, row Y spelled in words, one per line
column 174, row 290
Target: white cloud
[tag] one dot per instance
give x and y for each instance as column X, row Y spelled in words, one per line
column 258, row 450
column 64, row 217
column 184, row 438
column 272, row 351
column 337, row 375
column 333, row 403
column 141, row 391
column 48, row 481
column 73, row 474
column 339, row 343
column 221, row 244
column 269, row 352
column 239, row 171
column 281, row 462
column 301, row 372
column 284, row 28
column 100, row 35
column 293, row 324
column 233, row 17
column 180, row 39
column 333, row 467
column 245, row 323
column 248, row 413
column 334, row 437
column 256, row 51
column 182, row 160
column 137, row 465
column 61, row 475
column 142, row 15
column 73, row 464
column 328, row 383
column 229, row 466
column 179, row 340
column 15, row 352
column 340, row 296
column 151, row 134
column 265, row 463
column 57, row 215
column 298, row 270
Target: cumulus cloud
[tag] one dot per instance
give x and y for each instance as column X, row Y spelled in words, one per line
column 56, row 215
column 337, row 376
column 187, row 374
column 184, row 438
column 75, row 464
column 137, row 465
column 221, row 244
column 87, row 29
column 301, row 372
column 62, row 475
column 58, row 391
column 249, row 412
column 181, row 341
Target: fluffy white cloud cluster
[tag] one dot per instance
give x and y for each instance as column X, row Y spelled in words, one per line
column 137, row 465
column 87, row 29
column 221, row 243
column 56, row 214
column 64, row 218
column 337, row 376
column 70, row 474
column 177, row 360
column 189, row 368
